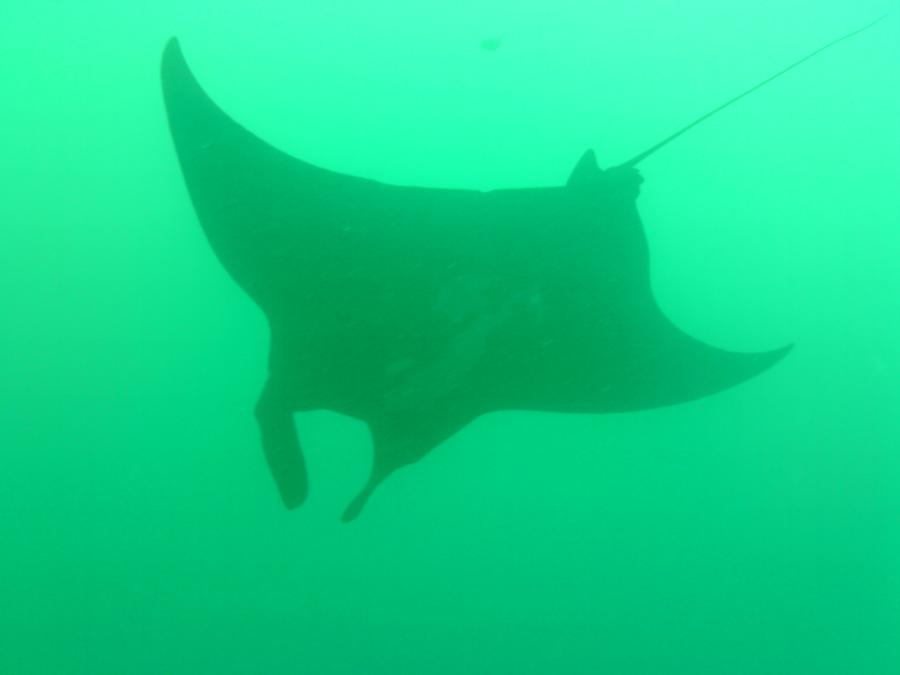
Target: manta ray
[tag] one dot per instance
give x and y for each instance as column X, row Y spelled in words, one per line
column 418, row 309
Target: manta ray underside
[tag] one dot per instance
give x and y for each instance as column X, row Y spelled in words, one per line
column 416, row 310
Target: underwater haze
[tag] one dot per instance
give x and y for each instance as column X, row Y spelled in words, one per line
column 755, row 531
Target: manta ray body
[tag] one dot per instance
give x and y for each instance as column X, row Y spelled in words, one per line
column 418, row 309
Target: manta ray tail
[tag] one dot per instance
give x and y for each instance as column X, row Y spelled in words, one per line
column 634, row 161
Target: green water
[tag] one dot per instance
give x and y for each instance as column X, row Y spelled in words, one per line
column 754, row 532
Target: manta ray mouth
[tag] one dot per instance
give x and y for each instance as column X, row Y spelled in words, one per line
column 418, row 309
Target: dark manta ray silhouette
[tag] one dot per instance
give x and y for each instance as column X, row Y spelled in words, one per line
column 416, row 310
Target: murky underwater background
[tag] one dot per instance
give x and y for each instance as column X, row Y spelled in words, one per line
column 757, row 531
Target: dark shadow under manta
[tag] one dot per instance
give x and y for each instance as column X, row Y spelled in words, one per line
column 416, row 310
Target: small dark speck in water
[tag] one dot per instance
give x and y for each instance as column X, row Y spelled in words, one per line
column 491, row 44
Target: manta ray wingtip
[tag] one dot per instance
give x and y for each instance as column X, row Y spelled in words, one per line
column 762, row 361
column 172, row 56
column 172, row 49
column 355, row 507
column 781, row 352
column 352, row 511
